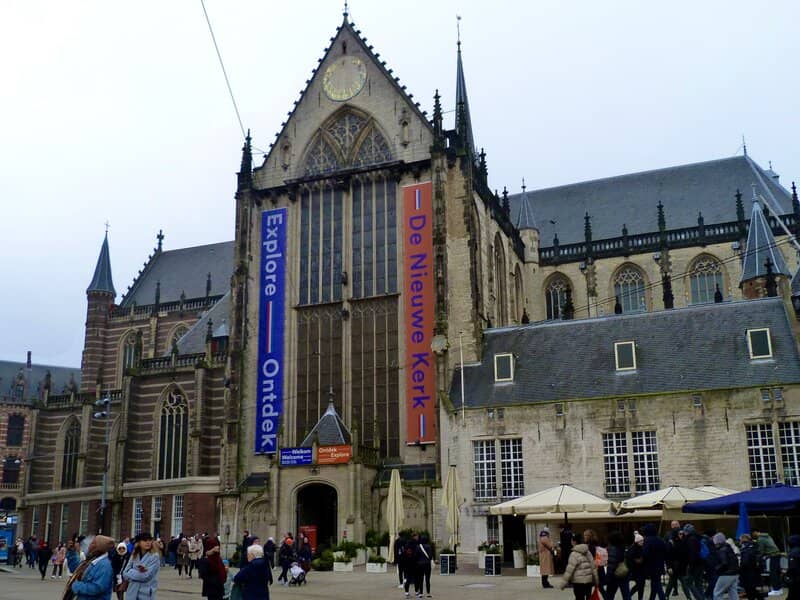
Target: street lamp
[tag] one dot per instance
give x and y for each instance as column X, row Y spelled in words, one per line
column 106, row 414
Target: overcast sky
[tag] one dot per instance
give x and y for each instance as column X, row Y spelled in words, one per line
column 118, row 111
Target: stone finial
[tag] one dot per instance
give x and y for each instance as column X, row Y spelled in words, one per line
column 160, row 238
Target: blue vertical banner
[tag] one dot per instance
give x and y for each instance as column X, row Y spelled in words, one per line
column 271, row 317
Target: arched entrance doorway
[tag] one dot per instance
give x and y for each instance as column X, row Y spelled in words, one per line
column 317, row 505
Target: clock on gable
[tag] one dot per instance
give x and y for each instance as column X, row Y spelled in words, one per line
column 344, row 78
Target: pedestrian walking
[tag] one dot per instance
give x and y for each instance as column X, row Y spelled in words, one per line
column 654, row 555
column 770, row 552
column 749, row 567
column 195, row 552
column 212, row 571
column 94, row 577
column 59, row 556
column 617, row 570
column 424, row 556
column 141, row 573
column 793, row 568
column 581, row 571
column 183, row 556
column 269, row 552
column 119, row 561
column 285, row 558
column 43, row 556
column 399, row 547
column 409, row 564
column 256, row 577
column 546, row 557
column 635, row 561
column 727, row 570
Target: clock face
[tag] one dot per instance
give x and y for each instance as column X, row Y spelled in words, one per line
column 344, row 78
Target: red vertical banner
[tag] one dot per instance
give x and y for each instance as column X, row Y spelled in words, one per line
column 418, row 312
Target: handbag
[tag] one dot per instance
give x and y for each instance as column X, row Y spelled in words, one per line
column 122, row 586
column 595, row 594
column 622, row 570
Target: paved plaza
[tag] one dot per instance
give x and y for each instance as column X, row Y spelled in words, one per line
column 468, row 584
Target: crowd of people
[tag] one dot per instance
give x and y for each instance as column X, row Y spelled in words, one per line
column 705, row 566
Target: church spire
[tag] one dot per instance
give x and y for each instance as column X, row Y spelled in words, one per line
column 246, row 170
column 525, row 219
column 463, row 120
column 102, row 282
column 761, row 247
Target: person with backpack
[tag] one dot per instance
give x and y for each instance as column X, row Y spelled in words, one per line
column 617, row 570
column 793, row 568
column 409, row 564
column 727, row 569
column 654, row 554
column 424, row 557
column 399, row 546
column 770, row 552
column 749, row 567
column 709, row 555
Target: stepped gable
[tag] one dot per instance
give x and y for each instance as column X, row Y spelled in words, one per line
column 707, row 187
column 183, row 271
column 35, row 379
column 702, row 347
column 330, row 430
column 194, row 340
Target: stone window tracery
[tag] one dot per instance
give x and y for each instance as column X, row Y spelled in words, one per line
column 705, row 276
column 174, row 422
column 69, row 467
column 555, row 295
column 629, row 288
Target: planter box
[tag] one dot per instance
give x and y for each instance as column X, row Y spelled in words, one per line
column 361, row 557
column 481, row 559
column 533, row 571
column 447, row 564
column 493, row 562
column 376, row 567
column 342, row 567
column 519, row 559
column 384, row 553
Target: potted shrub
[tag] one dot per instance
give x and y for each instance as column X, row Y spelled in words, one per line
column 482, row 547
column 342, row 564
column 532, row 568
column 324, row 562
column 493, row 559
column 447, row 561
column 519, row 556
column 376, row 564
column 343, row 556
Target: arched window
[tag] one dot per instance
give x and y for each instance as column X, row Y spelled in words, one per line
column 15, row 431
column 173, row 436
column 72, row 444
column 629, row 289
column 11, row 469
column 555, row 295
column 129, row 352
column 501, row 294
column 705, row 276
column 177, row 334
column 518, row 294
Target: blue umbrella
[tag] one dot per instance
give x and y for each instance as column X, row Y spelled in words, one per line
column 776, row 499
column 743, row 526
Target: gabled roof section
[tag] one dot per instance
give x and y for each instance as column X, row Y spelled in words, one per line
column 761, row 247
column 348, row 27
column 330, row 430
column 463, row 118
column 13, row 373
column 632, row 200
column 186, row 271
column 701, row 347
column 101, row 281
column 194, row 340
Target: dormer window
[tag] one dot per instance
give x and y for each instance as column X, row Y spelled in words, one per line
column 625, row 355
column 503, row 367
column 759, row 343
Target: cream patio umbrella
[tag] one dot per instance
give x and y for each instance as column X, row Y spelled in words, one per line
column 671, row 497
column 395, row 513
column 717, row 490
column 558, row 500
column 452, row 499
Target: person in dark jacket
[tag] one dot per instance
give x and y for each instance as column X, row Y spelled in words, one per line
column 727, row 569
column 654, row 553
column 246, row 541
column 749, row 567
column 256, row 577
column 616, row 556
column 424, row 556
column 43, row 556
column 408, row 560
column 671, row 537
column 119, row 561
column 793, row 568
column 695, row 566
column 212, row 571
column 399, row 546
column 634, row 558
column 269, row 552
column 679, row 563
column 564, row 547
column 285, row 558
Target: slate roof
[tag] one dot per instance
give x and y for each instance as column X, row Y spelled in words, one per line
column 707, row 187
column 796, row 283
column 330, row 430
column 183, row 270
column 760, row 247
column 34, row 381
column 194, row 340
column 101, row 281
column 695, row 348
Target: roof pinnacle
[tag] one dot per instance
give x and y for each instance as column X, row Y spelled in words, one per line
column 102, row 281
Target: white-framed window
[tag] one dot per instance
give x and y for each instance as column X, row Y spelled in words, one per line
column 177, row 515
column 765, row 395
column 759, row 343
column 48, row 522
column 789, row 435
column 83, row 528
column 62, row 530
column 492, row 528
column 645, row 461
column 35, row 520
column 504, row 367
column 615, row 463
column 761, row 455
column 625, row 356
column 156, row 504
column 485, row 461
column 777, row 394
column 512, row 481
column 137, row 515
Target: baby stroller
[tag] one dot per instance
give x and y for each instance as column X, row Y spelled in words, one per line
column 298, row 574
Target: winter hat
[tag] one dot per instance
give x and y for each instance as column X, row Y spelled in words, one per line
column 103, row 543
column 718, row 539
column 638, row 539
column 688, row 529
column 123, row 547
column 544, row 531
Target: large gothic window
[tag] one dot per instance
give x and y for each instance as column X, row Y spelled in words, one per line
column 705, row 276
column 518, row 295
column 173, row 437
column 69, row 465
column 629, row 289
column 501, row 291
column 321, row 245
column 129, row 352
column 15, row 431
column 348, row 140
column 555, row 295
column 374, row 237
